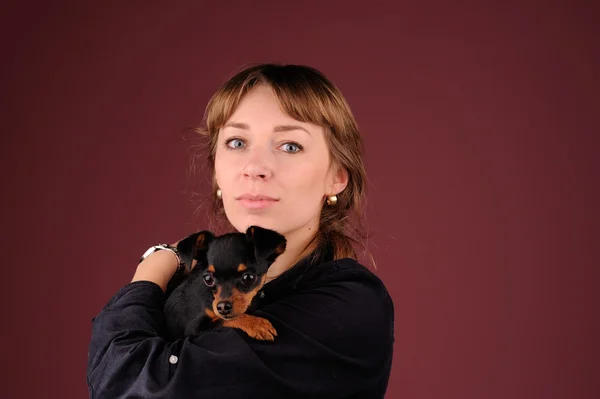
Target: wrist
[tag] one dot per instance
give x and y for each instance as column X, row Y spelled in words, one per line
column 159, row 267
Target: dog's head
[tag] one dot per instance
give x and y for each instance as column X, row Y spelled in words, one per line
column 233, row 265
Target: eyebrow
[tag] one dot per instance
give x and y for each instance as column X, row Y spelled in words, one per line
column 278, row 128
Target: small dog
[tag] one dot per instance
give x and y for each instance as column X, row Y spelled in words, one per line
column 230, row 270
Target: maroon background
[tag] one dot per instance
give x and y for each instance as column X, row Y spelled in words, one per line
column 481, row 130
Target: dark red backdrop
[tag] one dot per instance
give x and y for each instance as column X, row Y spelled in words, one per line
column 481, row 130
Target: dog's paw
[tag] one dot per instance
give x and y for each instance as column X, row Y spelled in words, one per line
column 262, row 330
column 255, row 327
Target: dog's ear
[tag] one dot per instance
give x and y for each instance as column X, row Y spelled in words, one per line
column 194, row 247
column 268, row 244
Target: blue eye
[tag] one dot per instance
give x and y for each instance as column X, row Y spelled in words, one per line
column 234, row 144
column 292, row 147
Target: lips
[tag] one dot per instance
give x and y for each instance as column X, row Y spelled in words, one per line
column 256, row 197
column 256, row 201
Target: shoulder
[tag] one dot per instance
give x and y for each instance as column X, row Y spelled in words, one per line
column 346, row 307
column 343, row 302
column 345, row 272
column 351, row 293
column 360, row 295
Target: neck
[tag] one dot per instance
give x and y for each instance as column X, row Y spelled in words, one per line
column 297, row 242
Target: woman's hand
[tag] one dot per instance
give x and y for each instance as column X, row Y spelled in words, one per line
column 159, row 268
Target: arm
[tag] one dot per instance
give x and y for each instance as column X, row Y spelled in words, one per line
column 333, row 340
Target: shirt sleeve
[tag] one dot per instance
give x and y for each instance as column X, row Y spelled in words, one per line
column 334, row 340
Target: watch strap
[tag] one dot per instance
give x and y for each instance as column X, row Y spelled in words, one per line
column 166, row 247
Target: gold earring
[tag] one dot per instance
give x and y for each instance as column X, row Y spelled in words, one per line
column 219, row 193
column 332, row 200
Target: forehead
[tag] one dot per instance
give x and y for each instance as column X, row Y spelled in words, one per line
column 259, row 109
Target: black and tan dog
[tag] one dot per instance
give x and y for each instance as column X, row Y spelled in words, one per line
column 230, row 270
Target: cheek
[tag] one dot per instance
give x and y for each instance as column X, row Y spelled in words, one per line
column 305, row 183
column 218, row 170
column 223, row 168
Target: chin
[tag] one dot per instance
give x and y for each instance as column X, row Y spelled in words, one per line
column 256, row 220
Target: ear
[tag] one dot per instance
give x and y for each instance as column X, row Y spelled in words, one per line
column 339, row 180
column 268, row 244
column 194, row 247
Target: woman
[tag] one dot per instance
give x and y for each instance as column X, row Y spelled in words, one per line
column 285, row 152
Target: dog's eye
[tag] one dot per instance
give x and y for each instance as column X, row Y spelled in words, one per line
column 248, row 278
column 209, row 279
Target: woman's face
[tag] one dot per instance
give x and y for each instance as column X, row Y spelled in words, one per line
column 273, row 170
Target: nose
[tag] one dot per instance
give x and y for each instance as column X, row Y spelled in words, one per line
column 258, row 166
column 224, row 307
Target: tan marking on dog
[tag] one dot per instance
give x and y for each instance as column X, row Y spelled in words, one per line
column 280, row 248
column 241, row 267
column 255, row 327
column 240, row 301
column 211, row 268
column 212, row 316
column 217, row 295
column 200, row 240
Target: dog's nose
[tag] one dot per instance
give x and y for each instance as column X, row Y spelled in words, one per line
column 224, row 307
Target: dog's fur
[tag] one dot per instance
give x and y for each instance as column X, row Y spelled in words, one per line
column 230, row 261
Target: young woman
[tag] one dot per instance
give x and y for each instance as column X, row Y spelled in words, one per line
column 285, row 153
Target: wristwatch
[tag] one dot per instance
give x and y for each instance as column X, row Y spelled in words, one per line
column 167, row 247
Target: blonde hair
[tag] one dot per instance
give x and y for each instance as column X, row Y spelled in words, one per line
column 306, row 95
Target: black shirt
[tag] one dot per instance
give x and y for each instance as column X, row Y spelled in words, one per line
column 335, row 334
